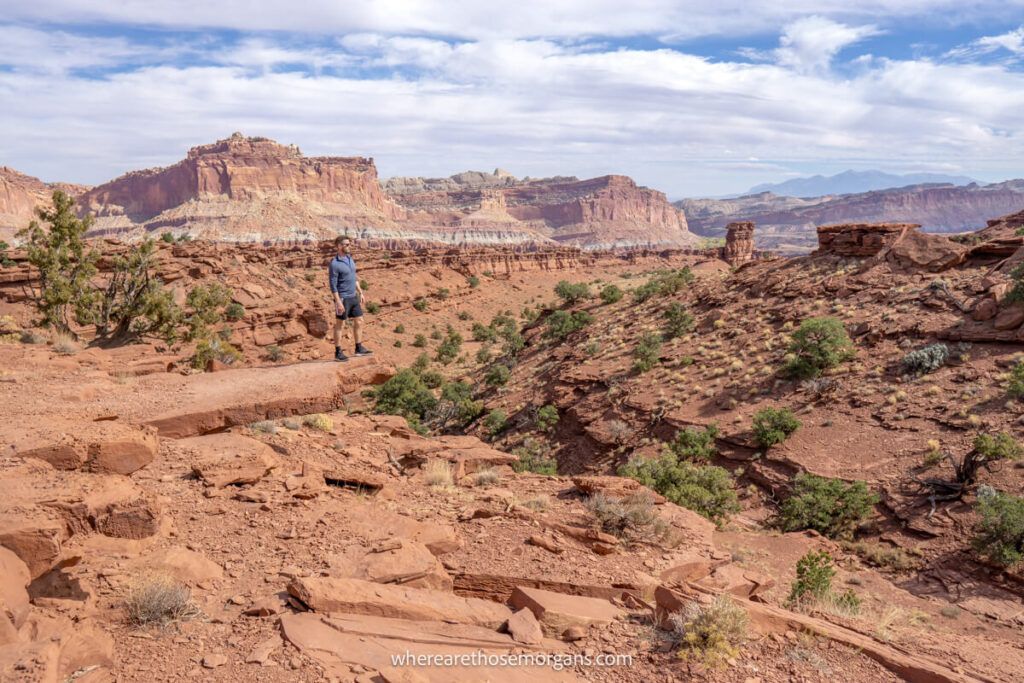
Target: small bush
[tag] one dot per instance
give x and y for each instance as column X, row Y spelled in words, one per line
column 813, row 586
column 158, row 599
column 611, row 294
column 571, row 293
column 663, row 283
column 449, row 348
column 31, row 337
column 773, row 426
column 405, row 394
column 214, row 348
column 1000, row 446
column 496, row 422
column 563, row 323
column 484, row 333
column 319, row 422
column 497, row 375
column 533, row 458
column 474, row 282
column 398, row 344
column 710, row 634
column 167, row 237
column 456, row 404
column 420, row 305
column 886, row 556
column 438, row 474
column 483, row 354
column 364, row 285
column 1015, row 388
column 420, row 341
column 632, row 517
column 275, row 352
column 547, row 418
column 829, row 506
column 443, row 293
column 707, row 490
column 234, row 311
column 818, row 344
column 923, row 361
column 695, row 444
column 677, row 321
column 264, row 426
column 464, row 315
column 647, row 353
column 1000, row 536
column 372, row 307
column 64, row 345
column 399, row 329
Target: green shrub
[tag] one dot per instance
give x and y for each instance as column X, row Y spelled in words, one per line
column 1015, row 388
column 275, row 352
column 405, row 394
column 474, row 282
column 372, row 307
column 831, row 507
column 496, row 422
column 167, row 237
column 464, row 315
column 925, row 360
column 442, row 293
column 773, row 426
column 818, row 344
column 611, row 294
column 457, row 404
column 1017, row 293
column 813, row 583
column 420, row 305
column 214, row 348
column 647, row 353
column 484, row 333
column 399, row 328
column 234, row 311
column 533, row 458
column 563, row 323
column 420, row 341
column 632, row 517
column 571, row 293
column 707, row 490
column 483, row 354
column 1000, row 536
column 663, row 283
column 547, row 418
column 710, row 634
column 677, row 321
column 1000, row 446
column 497, row 375
column 5, row 260
column 695, row 444
column 449, row 348
column 134, row 302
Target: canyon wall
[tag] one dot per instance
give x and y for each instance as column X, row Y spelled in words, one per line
column 20, row 194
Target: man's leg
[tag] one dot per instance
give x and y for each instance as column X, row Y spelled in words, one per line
column 357, row 330
column 339, row 355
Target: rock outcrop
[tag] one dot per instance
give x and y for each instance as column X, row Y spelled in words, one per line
column 20, row 194
column 739, row 243
column 859, row 239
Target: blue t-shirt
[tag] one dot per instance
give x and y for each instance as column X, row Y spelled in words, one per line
column 342, row 272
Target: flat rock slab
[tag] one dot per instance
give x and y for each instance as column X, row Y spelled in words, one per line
column 371, row 641
column 224, row 459
column 214, row 401
column 557, row 612
column 401, row 562
column 107, row 447
column 355, row 596
column 374, row 523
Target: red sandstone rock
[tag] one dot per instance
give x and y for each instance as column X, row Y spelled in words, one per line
column 739, row 243
column 405, row 563
column 556, row 611
column 859, row 239
column 524, row 627
column 223, row 459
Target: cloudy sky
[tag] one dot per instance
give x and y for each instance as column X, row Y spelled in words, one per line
column 692, row 97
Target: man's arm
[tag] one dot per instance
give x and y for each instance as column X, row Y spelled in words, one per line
column 332, row 277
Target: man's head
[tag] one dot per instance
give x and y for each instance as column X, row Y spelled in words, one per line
column 343, row 244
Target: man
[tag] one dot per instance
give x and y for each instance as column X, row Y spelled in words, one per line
column 348, row 298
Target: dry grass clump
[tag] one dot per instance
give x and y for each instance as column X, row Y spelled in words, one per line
column 486, row 477
column 438, row 474
column 264, row 426
column 65, row 345
column 538, row 503
column 319, row 421
column 710, row 634
column 633, row 517
column 157, row 599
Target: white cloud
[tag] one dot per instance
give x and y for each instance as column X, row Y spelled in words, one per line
column 809, row 44
column 1011, row 41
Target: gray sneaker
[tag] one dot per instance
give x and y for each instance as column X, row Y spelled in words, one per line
column 363, row 351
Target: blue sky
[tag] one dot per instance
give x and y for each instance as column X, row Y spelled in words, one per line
column 692, row 98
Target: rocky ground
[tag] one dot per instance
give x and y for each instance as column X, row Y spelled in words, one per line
column 306, row 538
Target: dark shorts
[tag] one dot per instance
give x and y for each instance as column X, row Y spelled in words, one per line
column 350, row 308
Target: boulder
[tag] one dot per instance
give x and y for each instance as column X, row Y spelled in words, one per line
column 402, row 562
column 225, row 459
column 1009, row 319
column 108, row 447
column 187, row 566
column 524, row 627
column 355, row 596
column 916, row 250
column 14, row 580
column 374, row 523
column 556, row 612
column 735, row 580
column 34, row 537
column 614, row 487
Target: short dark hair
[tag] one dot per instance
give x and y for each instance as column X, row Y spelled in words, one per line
column 339, row 239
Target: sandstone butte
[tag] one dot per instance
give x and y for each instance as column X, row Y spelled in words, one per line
column 244, row 189
column 319, row 549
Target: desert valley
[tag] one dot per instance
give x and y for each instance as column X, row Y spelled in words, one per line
column 587, row 436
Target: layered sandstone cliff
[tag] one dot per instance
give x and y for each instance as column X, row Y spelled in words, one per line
column 20, row 194
column 609, row 211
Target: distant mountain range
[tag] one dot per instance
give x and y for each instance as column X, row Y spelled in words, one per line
column 788, row 224
column 849, row 182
